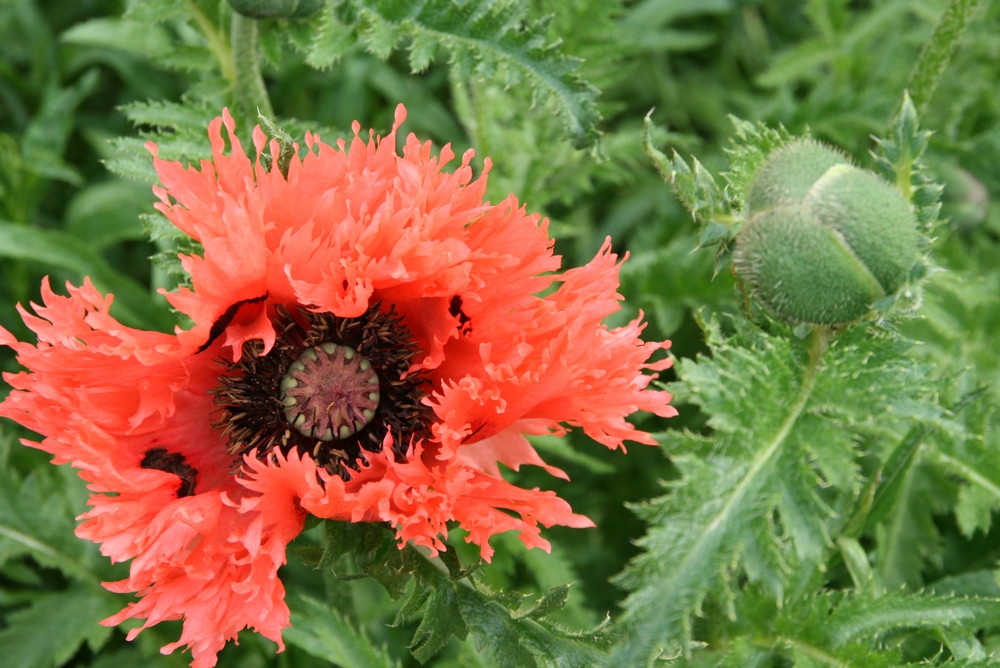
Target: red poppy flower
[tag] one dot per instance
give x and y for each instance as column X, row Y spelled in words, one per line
column 371, row 341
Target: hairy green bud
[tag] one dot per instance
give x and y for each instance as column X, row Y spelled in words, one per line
column 824, row 239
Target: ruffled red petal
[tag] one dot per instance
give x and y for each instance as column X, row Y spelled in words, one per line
column 106, row 395
column 418, row 498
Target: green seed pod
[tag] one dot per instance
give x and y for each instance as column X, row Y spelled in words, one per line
column 790, row 172
column 276, row 9
column 824, row 239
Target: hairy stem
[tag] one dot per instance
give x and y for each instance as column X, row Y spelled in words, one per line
column 251, row 94
column 938, row 51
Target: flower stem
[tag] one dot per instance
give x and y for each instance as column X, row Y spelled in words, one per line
column 938, row 51
column 216, row 41
column 250, row 92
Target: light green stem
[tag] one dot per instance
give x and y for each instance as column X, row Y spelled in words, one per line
column 216, row 41
column 938, row 51
column 250, row 92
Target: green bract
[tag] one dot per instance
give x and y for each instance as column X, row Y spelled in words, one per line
column 824, row 239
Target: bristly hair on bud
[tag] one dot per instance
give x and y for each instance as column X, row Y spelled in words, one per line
column 824, row 240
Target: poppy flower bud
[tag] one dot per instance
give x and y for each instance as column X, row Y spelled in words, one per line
column 276, row 9
column 824, row 240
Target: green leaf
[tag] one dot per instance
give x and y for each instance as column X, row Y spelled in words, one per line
column 525, row 642
column 493, row 629
column 694, row 185
column 859, row 618
column 133, row 303
column 974, row 460
column 120, row 34
column 898, row 158
column 153, row 11
column 323, row 632
column 107, row 212
column 908, row 537
column 322, row 38
column 441, row 620
column 488, row 40
column 552, row 600
column 36, row 519
column 749, row 497
column 49, row 631
column 802, row 60
column 372, row 550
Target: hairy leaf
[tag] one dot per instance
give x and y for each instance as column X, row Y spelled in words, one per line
column 48, row 632
column 491, row 39
column 761, row 496
column 326, row 634
column 861, row 618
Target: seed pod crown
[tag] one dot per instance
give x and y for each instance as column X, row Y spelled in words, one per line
column 824, row 239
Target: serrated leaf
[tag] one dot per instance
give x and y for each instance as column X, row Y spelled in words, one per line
column 174, row 116
column 492, row 629
column 749, row 502
column 422, row 52
column 553, row 599
column 178, row 130
column 713, row 233
column 28, row 641
column 525, row 642
column 390, row 567
column 862, row 618
column 36, row 519
column 486, row 40
column 898, row 159
column 908, row 536
column 441, row 620
column 340, row 539
column 324, row 39
column 415, row 600
column 380, row 36
column 323, row 632
column 975, row 461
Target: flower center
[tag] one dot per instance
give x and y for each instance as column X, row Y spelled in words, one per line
column 336, row 389
column 330, row 392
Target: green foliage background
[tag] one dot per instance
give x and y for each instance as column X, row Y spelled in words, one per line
column 856, row 531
